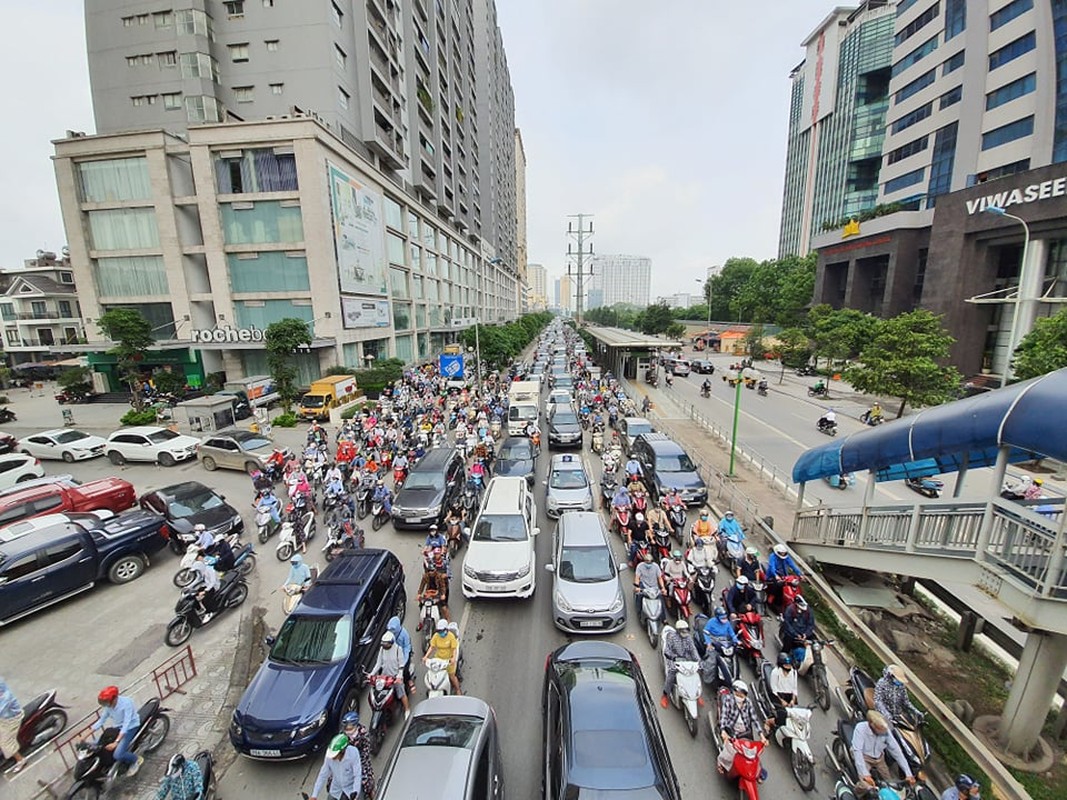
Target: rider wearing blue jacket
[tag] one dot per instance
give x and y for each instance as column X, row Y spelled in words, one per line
column 719, row 627
column 779, row 566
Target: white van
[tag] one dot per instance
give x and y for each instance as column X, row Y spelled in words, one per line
column 500, row 559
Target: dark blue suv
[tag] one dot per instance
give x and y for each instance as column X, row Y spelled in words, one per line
column 313, row 674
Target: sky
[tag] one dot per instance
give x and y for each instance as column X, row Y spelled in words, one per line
column 664, row 119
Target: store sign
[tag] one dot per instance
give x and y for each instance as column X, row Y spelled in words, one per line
column 1013, row 197
column 227, row 335
column 365, row 313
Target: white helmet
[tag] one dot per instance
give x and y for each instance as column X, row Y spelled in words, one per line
column 781, row 550
column 681, row 625
column 740, row 686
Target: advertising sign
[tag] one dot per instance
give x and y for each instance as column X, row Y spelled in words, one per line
column 452, row 367
column 358, row 234
column 365, row 313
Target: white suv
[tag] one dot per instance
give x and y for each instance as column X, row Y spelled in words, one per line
column 500, row 560
column 158, row 445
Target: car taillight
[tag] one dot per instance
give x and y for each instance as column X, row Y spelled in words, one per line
column 164, row 531
column 37, row 462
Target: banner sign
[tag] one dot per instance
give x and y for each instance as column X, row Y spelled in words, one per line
column 452, row 367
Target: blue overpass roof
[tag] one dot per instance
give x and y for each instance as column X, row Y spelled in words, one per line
column 1026, row 417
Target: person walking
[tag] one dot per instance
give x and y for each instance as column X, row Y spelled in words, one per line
column 11, row 715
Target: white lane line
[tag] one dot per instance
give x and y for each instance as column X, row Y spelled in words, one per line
column 464, row 618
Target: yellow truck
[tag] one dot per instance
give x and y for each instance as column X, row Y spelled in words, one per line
column 327, row 394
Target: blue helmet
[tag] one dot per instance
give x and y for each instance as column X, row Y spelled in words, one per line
column 350, row 719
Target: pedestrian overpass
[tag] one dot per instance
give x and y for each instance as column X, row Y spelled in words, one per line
column 1008, row 550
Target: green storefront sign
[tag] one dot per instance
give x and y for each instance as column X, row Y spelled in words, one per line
column 182, row 359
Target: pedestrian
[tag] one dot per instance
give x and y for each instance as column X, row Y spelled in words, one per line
column 10, row 721
column 341, row 769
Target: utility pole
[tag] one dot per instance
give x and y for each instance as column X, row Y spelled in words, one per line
column 576, row 256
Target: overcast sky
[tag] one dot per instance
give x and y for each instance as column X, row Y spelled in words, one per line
column 665, row 119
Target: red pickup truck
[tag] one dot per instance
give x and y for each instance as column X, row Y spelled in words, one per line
column 57, row 495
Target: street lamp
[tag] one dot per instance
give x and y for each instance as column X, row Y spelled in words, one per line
column 477, row 356
column 1024, row 279
column 707, row 301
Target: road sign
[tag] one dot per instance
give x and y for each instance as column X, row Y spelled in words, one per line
column 452, row 366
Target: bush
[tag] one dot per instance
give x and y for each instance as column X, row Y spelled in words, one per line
column 135, row 417
column 355, row 408
column 287, row 420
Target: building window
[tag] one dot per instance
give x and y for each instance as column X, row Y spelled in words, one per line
column 1002, row 17
column 127, row 22
column 123, row 229
column 235, row 9
column 342, row 97
column 202, row 108
column 244, row 94
column 168, row 59
column 1011, row 91
column 256, row 170
column 955, row 18
column 339, row 56
column 950, row 98
column 905, row 180
column 918, row 115
column 276, row 88
column 1059, row 26
column 268, row 3
column 1012, row 50
column 338, row 15
column 915, row 86
column 13, row 337
column 1008, row 133
column 941, row 163
column 113, row 180
column 239, row 53
column 910, row 149
column 142, row 19
column 7, row 311
column 172, row 101
column 953, row 64
column 199, row 65
column 144, row 100
column 272, row 45
column 66, row 277
column 136, row 276
column 915, row 56
column 273, row 271
column 917, row 24
column 904, row 5
column 402, row 317
column 163, row 20
column 192, row 22
column 263, row 222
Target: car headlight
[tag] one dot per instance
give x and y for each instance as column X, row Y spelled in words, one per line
column 311, row 727
column 235, row 727
column 470, row 573
column 616, row 604
column 562, row 604
column 523, row 571
column 551, row 502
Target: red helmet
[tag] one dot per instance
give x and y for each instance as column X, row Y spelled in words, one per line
column 108, row 695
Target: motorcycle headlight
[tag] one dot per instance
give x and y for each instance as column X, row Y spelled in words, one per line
column 469, row 572
column 562, row 604
column 616, row 604
column 311, row 727
column 235, row 727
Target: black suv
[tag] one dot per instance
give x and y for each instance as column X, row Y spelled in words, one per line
column 314, row 671
column 601, row 732
column 666, row 466
column 186, row 505
column 431, row 487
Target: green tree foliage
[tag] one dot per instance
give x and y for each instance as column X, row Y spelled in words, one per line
column 777, row 291
column 655, row 319
column 794, row 347
column 169, row 381
column 1042, row 350
column 132, row 337
column 675, row 330
column 373, row 379
column 74, row 379
column 282, row 339
column 839, row 334
column 903, row 359
column 725, row 286
column 501, row 343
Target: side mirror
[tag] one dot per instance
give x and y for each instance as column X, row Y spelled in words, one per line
column 535, row 531
column 365, row 640
column 544, row 483
column 269, row 641
column 623, row 566
column 550, row 567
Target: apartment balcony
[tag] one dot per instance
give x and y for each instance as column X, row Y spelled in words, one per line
column 24, row 345
column 387, row 143
column 38, row 316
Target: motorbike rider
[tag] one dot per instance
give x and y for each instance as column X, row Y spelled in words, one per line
column 705, row 387
column 183, row 779
column 819, row 387
column 444, row 644
column 779, row 566
column 299, row 573
column 891, row 696
column 359, row 738
column 637, row 532
column 435, row 584
column 390, row 662
column 741, row 597
column 783, row 688
column 737, row 718
column 730, row 530
column 750, row 566
column 677, row 646
column 403, row 641
column 675, row 567
column 647, row 574
column 11, row 716
column 272, row 505
column 119, row 710
column 702, row 527
column 633, row 469
column 1033, row 491
column 870, row 739
column 204, row 538
column 761, row 387
column 965, row 788
column 657, row 518
column 207, row 593
column 719, row 628
column 828, row 420
column 798, row 627
column 874, row 413
column 343, row 768
column 382, row 495
column 699, row 556
column 223, row 554
column 646, row 404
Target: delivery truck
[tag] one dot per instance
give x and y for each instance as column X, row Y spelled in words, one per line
column 523, row 405
column 250, row 393
column 326, row 394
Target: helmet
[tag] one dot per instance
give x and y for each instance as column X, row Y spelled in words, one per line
column 720, row 613
column 442, row 625
column 350, row 719
column 699, row 543
column 381, row 481
column 454, row 628
column 338, row 744
column 108, row 694
column 729, row 513
column 388, row 638
column 1038, row 482
column 433, row 527
column 752, row 551
column 781, row 550
column 802, row 604
column 896, row 672
column 681, row 625
column 784, row 660
column 964, row 782
column 648, row 557
column 677, row 555
column 703, row 514
column 296, row 559
column 740, row 687
column 175, row 765
column 742, row 580
column 640, row 517
column 199, row 527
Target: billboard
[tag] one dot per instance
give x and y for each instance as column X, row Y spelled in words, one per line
column 452, row 367
column 365, row 313
column 358, row 234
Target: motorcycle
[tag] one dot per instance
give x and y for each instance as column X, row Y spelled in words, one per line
column 620, row 516
column 340, row 537
column 829, row 428
column 750, row 637
column 640, row 502
column 842, row 481
column 436, row 678
column 297, row 530
column 867, row 419
column 761, row 390
column 688, row 691
column 608, row 484
column 244, row 561
column 597, row 441
column 454, row 535
column 380, row 513
column 661, row 544
column 495, row 428
column 745, row 768
column 363, row 497
column 787, row 590
column 231, row 593
column 429, row 613
column 845, row 790
column 806, row 371
column 266, row 526
column 400, row 474
column 704, row 587
column 96, row 770
column 927, row 487
column 818, row 391
column 676, row 514
column 652, row 613
column 705, row 390
column 642, row 547
column 43, row 719
column 793, row 734
column 468, row 500
column 679, row 596
column 383, row 705
column 812, row 664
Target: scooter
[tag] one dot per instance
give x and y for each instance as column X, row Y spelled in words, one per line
column 620, row 517
column 652, row 613
column 818, row 391
column 661, row 545
column 231, row 593
column 745, row 768
column 811, row 664
column 845, row 790
column 244, row 561
column 293, row 592
column 842, row 481
column 761, row 390
column 704, row 587
column 96, row 770
column 829, row 428
column 750, row 637
column 927, row 487
column 429, row 613
column 297, row 530
column 676, row 514
column 383, row 705
column 43, row 719
column 340, row 537
column 867, row 419
column 687, row 695
column 266, row 526
column 788, row 589
column 380, row 512
column 436, row 678
column 363, row 497
column 793, row 734
column 597, row 440
column 608, row 484
column 7, row 415
column 679, row 594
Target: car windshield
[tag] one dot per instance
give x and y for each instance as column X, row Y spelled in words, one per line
column 159, row 437
column 253, row 442
column 586, row 564
column 70, row 436
column 191, row 504
column 567, row 479
column 312, row 640
column 564, row 418
column 441, row 731
column 312, row 401
column 425, row 480
column 678, row 463
column 634, row 429
column 517, row 451
column 500, row 528
column 564, row 380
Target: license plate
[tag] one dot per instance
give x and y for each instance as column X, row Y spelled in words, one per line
column 266, row 753
column 589, row 623
column 495, row 589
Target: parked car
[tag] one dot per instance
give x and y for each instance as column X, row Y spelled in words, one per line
column 567, row 486
column 235, row 448
column 500, row 559
column 65, row 443
column 516, row 458
column 149, row 443
column 667, row 466
column 191, row 503
column 587, row 594
column 64, row 494
column 564, row 429
column 601, row 729
column 313, row 673
column 456, row 739
column 18, row 468
column 632, row 427
column 431, row 486
column 48, row 559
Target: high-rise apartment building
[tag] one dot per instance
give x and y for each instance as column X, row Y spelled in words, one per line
column 620, row 279
column 568, row 289
column 836, row 121
column 520, row 224
column 538, row 280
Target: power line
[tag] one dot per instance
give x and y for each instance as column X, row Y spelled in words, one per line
column 576, row 256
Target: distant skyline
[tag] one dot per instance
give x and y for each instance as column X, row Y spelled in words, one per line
column 663, row 122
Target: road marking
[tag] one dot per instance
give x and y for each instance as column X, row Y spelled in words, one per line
column 464, row 618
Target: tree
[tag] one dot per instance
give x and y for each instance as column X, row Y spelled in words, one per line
column 656, row 319
column 794, row 347
column 675, row 330
column 839, row 334
column 75, row 380
column 726, row 285
column 132, row 335
column 282, row 340
column 169, row 381
column 903, row 359
column 1042, row 350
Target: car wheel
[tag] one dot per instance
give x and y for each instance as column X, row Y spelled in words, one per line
column 166, row 460
column 68, row 457
column 116, row 458
column 251, row 466
column 126, row 569
column 209, row 463
column 24, row 478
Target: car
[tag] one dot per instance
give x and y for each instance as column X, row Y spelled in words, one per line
column 567, row 486
column 587, row 594
column 564, row 429
column 632, row 427
column 150, row 443
column 703, row 366
column 235, row 448
column 313, row 673
column 500, row 560
column 19, row 468
column 61, row 493
column 676, row 366
column 517, row 457
column 432, row 485
column 453, row 738
column 191, row 503
column 666, row 466
column 65, row 443
column 559, row 397
column 600, row 732
column 565, row 381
